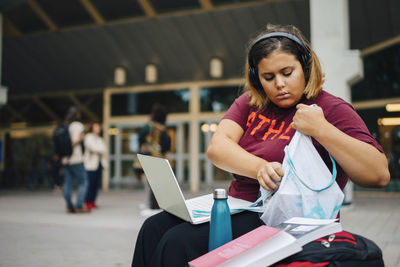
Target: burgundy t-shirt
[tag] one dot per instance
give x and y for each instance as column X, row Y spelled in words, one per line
column 268, row 131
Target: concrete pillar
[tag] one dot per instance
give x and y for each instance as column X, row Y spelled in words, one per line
column 330, row 39
column 106, row 137
column 194, row 140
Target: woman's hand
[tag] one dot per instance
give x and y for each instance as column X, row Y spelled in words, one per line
column 364, row 164
column 269, row 174
column 309, row 120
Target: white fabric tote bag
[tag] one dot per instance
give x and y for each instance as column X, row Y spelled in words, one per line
column 307, row 189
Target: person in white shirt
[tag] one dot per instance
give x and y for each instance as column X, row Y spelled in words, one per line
column 73, row 165
column 94, row 160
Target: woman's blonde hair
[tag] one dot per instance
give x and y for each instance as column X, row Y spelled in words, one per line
column 261, row 49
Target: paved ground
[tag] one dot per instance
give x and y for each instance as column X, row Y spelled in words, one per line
column 36, row 231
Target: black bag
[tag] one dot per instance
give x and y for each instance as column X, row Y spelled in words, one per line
column 62, row 141
column 341, row 249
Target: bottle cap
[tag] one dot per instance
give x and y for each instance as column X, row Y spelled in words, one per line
column 220, row 193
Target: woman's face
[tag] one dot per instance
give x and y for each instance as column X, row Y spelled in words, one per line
column 96, row 129
column 282, row 78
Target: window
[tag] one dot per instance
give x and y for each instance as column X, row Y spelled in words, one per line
column 217, row 99
column 126, row 104
column 381, row 76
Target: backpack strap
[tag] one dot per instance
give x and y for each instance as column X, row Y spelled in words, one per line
column 334, row 173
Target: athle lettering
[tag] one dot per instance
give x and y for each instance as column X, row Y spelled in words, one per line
column 273, row 131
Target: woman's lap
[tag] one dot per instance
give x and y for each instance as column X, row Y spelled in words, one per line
column 150, row 235
column 165, row 240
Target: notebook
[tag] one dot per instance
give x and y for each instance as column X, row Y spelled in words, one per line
column 169, row 195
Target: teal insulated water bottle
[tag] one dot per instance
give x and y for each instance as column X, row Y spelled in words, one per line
column 220, row 223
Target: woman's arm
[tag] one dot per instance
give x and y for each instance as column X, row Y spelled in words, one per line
column 363, row 163
column 225, row 152
column 93, row 145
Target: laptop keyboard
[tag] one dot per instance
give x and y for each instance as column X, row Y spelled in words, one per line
column 203, row 203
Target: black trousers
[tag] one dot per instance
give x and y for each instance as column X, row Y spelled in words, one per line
column 166, row 240
column 94, row 182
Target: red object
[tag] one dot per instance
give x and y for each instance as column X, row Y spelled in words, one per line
column 89, row 205
column 303, row 264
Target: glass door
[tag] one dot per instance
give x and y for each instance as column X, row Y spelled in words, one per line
column 124, row 145
column 208, row 172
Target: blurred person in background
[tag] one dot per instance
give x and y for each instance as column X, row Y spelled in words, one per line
column 74, row 170
column 154, row 141
column 95, row 159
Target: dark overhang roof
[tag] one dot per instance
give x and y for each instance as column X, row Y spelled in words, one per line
column 61, row 45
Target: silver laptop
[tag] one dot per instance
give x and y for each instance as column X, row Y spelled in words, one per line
column 169, row 196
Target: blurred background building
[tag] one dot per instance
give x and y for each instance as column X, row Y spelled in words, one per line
column 115, row 59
